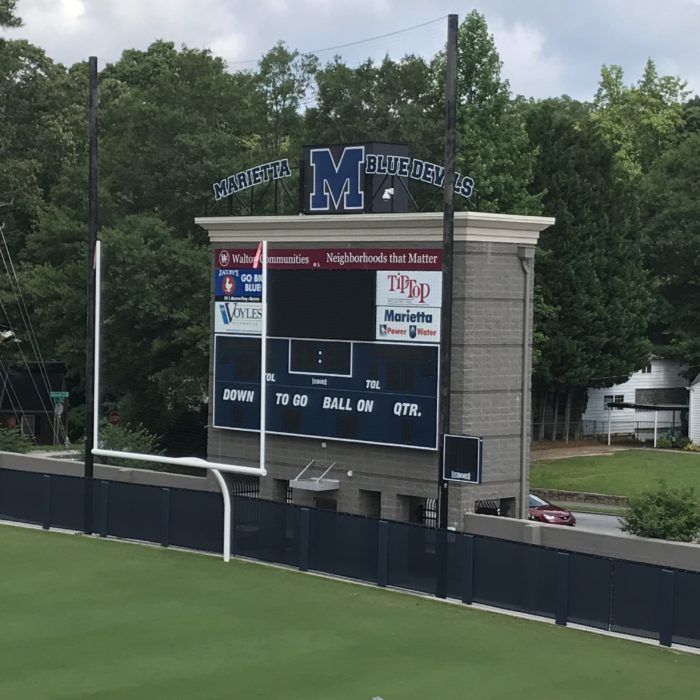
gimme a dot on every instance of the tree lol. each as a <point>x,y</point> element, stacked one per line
<point>171,123</point>
<point>392,101</point>
<point>592,298</point>
<point>41,131</point>
<point>8,18</point>
<point>663,513</point>
<point>492,141</point>
<point>283,81</point>
<point>155,322</point>
<point>640,122</point>
<point>672,236</point>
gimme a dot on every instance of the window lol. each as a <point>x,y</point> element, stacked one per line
<point>647,369</point>
<point>610,398</point>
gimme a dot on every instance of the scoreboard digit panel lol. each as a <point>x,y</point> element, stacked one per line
<point>360,391</point>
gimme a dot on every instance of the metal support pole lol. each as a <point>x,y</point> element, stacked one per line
<point>90,321</point>
<point>263,355</point>
<point>447,252</point>
<point>527,259</point>
<point>656,425</point>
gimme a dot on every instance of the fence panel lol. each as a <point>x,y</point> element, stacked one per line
<point>196,520</point>
<point>515,576</point>
<point>636,597</point>
<point>686,608</point>
<point>590,581</point>
<point>134,511</point>
<point>67,502</point>
<point>345,545</point>
<point>412,558</point>
<point>456,565</point>
<point>265,530</point>
<point>22,496</point>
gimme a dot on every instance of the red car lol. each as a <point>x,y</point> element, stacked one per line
<point>544,512</point>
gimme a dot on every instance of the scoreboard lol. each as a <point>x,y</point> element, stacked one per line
<point>360,391</point>
<point>351,348</point>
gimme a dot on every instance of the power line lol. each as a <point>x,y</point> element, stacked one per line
<point>354,43</point>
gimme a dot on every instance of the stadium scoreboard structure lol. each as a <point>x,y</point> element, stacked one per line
<point>352,349</point>
<point>353,298</point>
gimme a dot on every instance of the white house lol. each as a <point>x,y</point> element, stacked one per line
<point>661,382</point>
<point>694,411</point>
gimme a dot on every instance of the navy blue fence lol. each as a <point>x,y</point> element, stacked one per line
<point>568,587</point>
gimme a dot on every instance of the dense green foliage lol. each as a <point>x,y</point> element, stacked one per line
<point>127,438</point>
<point>114,620</point>
<point>672,233</point>
<point>8,18</point>
<point>12,440</point>
<point>663,513</point>
<point>172,121</point>
<point>592,302</point>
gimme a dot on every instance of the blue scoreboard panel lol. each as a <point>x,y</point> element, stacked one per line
<point>361,391</point>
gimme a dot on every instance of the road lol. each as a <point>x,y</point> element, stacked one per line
<point>595,522</point>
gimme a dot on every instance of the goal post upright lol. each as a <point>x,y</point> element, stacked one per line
<point>214,467</point>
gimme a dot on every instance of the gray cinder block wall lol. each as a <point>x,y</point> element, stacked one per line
<point>487,344</point>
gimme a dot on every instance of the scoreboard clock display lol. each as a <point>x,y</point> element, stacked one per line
<point>361,391</point>
<point>351,348</point>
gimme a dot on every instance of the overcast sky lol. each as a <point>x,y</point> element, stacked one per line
<point>548,47</point>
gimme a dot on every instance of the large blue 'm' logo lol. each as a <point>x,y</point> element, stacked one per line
<point>339,182</point>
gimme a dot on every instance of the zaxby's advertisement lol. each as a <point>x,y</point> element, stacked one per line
<point>232,284</point>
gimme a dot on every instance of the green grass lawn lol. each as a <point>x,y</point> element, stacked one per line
<point>620,473</point>
<point>91,619</point>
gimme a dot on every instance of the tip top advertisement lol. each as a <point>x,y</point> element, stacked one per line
<point>408,306</point>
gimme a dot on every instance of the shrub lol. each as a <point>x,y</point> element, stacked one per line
<point>672,441</point>
<point>12,440</point>
<point>663,513</point>
<point>126,438</point>
<point>692,447</point>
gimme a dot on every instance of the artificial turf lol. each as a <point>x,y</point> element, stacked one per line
<point>624,473</point>
<point>85,618</point>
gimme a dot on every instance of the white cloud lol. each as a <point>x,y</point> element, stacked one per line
<point>53,15</point>
<point>531,70</point>
<point>232,47</point>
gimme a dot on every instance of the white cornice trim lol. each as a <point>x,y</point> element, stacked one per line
<point>375,228</point>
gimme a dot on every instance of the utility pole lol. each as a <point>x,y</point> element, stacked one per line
<point>447,255</point>
<point>91,292</point>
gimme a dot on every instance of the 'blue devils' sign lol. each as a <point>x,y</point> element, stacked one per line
<point>370,178</point>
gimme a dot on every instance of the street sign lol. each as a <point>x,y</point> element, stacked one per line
<point>59,395</point>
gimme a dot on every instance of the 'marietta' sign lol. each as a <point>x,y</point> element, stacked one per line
<point>339,179</point>
<point>245,179</point>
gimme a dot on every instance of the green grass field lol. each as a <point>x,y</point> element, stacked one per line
<point>620,474</point>
<point>83,618</point>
